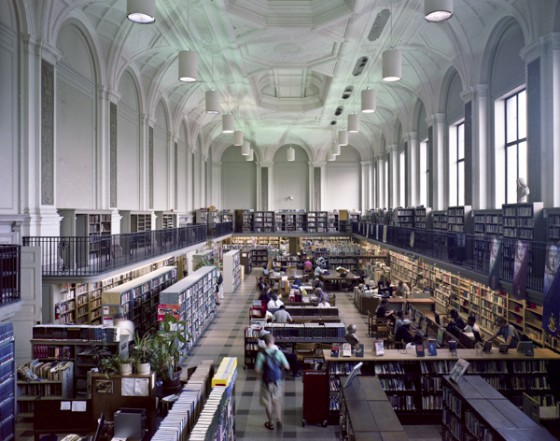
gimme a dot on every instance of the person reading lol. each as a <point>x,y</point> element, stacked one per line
<point>473,327</point>
<point>456,323</point>
<point>404,334</point>
<point>507,332</point>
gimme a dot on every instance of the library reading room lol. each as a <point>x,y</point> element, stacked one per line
<point>333,220</point>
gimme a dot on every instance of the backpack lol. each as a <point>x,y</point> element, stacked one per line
<point>271,369</point>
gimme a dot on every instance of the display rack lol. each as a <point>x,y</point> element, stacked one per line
<point>7,382</point>
<point>55,380</point>
<point>138,299</point>
<point>472,409</point>
<point>231,271</point>
<point>191,300</point>
<point>413,384</point>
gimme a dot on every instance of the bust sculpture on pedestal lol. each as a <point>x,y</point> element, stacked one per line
<point>522,191</point>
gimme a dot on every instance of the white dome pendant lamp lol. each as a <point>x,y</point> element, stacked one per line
<point>353,123</point>
<point>246,149</point>
<point>188,66</point>
<point>212,101</point>
<point>291,154</point>
<point>368,101</point>
<point>238,138</point>
<point>391,65</point>
<point>342,137</point>
<point>227,123</point>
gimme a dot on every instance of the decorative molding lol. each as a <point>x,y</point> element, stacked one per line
<point>113,122</point>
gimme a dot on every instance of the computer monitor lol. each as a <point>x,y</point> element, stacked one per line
<point>526,347</point>
<point>440,336</point>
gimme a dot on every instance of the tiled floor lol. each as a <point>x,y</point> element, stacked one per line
<point>224,338</point>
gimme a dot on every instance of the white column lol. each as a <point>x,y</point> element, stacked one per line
<point>317,196</point>
<point>413,169</point>
<point>483,188</point>
<point>381,178</point>
<point>190,178</point>
<point>145,124</point>
<point>270,190</point>
<point>439,177</point>
<point>366,186</point>
<point>394,152</point>
<point>258,186</point>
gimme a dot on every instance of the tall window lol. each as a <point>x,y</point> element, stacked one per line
<point>457,164</point>
<point>402,179</point>
<point>424,172</point>
<point>516,143</point>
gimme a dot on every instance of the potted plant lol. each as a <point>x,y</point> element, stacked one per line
<point>142,352</point>
<point>168,354</point>
<point>125,365</point>
<point>108,365</point>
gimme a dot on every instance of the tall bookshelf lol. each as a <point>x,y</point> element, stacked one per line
<point>440,226</point>
<point>487,224</point>
<point>423,218</point>
<point>226,216</point>
<point>405,217</point>
<point>553,224</point>
<point>263,221</point>
<point>459,219</point>
<point>243,221</point>
<point>192,300</point>
<point>317,221</point>
<point>231,271</point>
<point>7,382</point>
<point>138,299</point>
<point>403,268</point>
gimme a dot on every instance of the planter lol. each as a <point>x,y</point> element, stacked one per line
<point>173,384</point>
<point>125,369</point>
<point>143,368</point>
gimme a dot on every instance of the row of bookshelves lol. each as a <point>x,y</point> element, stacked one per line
<point>7,382</point>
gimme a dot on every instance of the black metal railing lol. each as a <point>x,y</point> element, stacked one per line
<point>466,250</point>
<point>87,256</point>
<point>10,273</point>
<point>219,229</point>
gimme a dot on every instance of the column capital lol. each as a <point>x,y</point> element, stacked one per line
<point>392,148</point>
<point>365,163</point>
<point>436,118</point>
<point>317,163</point>
<point>266,163</point>
<point>476,91</point>
<point>411,136</point>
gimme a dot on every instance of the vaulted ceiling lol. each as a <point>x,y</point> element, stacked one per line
<point>284,67</point>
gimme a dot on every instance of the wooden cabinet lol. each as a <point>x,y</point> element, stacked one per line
<point>192,300</point>
<point>474,410</point>
<point>138,299</point>
<point>231,271</point>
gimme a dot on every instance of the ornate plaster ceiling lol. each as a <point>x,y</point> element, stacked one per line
<point>282,66</point>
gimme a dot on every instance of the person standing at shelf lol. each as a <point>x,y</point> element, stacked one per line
<point>272,389</point>
<point>507,331</point>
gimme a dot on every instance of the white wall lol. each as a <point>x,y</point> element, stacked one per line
<point>290,179</point>
<point>161,161</point>
<point>239,180</point>
<point>343,178</point>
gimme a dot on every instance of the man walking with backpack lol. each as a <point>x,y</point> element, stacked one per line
<point>270,364</point>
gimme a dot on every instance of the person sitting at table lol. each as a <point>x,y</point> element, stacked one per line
<point>260,284</point>
<point>274,303</point>
<point>384,286</point>
<point>402,290</point>
<point>323,303</point>
<point>318,283</point>
<point>321,295</point>
<point>381,311</point>
<point>318,271</point>
<point>265,296</point>
<point>307,266</point>
<point>265,271</point>
<point>281,315</point>
<point>404,334</point>
<point>398,321</point>
<point>417,340</point>
<point>474,328</point>
<point>456,323</point>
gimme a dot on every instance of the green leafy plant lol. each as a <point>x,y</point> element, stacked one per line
<point>168,347</point>
<point>142,349</point>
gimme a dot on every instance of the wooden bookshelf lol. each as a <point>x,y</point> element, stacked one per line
<point>472,409</point>
<point>263,221</point>
<point>403,268</point>
<point>243,221</point>
<point>459,219</point>
<point>7,382</point>
<point>405,217</point>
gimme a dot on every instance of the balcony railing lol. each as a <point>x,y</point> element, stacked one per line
<point>88,256</point>
<point>10,263</point>
<point>465,250</point>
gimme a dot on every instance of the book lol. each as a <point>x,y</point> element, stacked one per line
<point>458,370</point>
<point>359,350</point>
<point>432,347</point>
<point>420,350</point>
<point>335,350</point>
<point>378,347</point>
<point>452,345</point>
<point>346,350</point>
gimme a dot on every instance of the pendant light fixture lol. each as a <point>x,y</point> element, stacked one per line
<point>368,101</point>
<point>438,10</point>
<point>391,63</point>
<point>331,156</point>
<point>246,148</point>
<point>238,138</point>
<point>336,149</point>
<point>188,66</point>
<point>212,101</point>
<point>250,156</point>
<point>342,137</point>
<point>227,123</point>
<point>291,154</point>
<point>141,11</point>
<point>353,123</point>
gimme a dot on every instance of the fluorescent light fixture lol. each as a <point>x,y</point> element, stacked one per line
<point>368,101</point>
<point>188,66</point>
<point>291,154</point>
<point>212,101</point>
<point>238,138</point>
<point>353,123</point>
<point>391,65</point>
<point>141,11</point>
<point>438,10</point>
<point>246,148</point>
<point>227,123</point>
<point>342,137</point>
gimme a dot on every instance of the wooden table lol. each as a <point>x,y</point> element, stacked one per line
<point>422,304</point>
<point>334,279</point>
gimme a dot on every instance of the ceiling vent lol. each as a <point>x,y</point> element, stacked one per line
<point>360,65</point>
<point>333,123</point>
<point>347,92</point>
<point>379,24</point>
<point>339,111</point>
